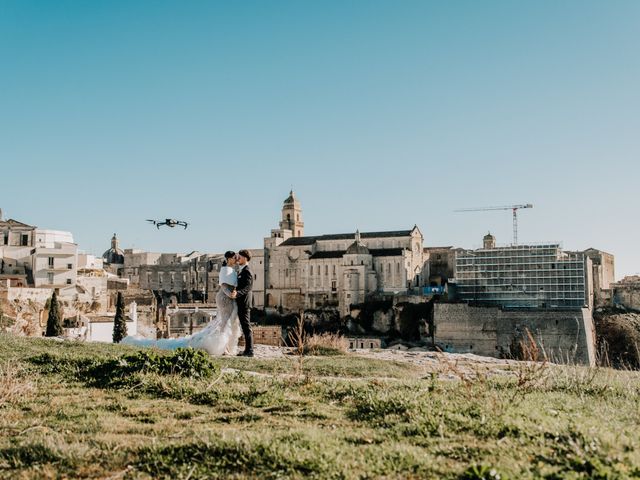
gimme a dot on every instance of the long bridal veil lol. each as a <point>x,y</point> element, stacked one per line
<point>219,337</point>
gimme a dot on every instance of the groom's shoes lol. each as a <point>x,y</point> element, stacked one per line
<point>246,354</point>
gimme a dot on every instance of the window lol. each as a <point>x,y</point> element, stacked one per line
<point>326,269</point>
<point>68,281</point>
<point>50,262</point>
<point>311,270</point>
<point>25,240</point>
<point>334,269</point>
<point>69,266</point>
<point>50,278</point>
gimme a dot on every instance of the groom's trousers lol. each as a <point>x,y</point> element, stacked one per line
<point>244,315</point>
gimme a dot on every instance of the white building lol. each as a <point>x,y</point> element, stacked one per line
<point>99,328</point>
<point>54,262</point>
<point>37,257</point>
<point>341,269</point>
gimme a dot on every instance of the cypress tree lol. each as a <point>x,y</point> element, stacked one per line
<point>119,323</point>
<point>54,321</point>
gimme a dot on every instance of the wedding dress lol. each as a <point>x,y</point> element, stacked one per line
<point>219,337</point>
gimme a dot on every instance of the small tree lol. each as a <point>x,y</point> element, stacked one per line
<point>119,323</point>
<point>54,321</point>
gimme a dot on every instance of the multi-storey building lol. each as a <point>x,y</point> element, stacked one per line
<point>541,276</point>
<point>341,269</point>
<point>193,277</point>
<point>36,257</point>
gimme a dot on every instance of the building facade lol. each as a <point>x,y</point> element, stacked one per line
<point>518,276</point>
<point>338,270</point>
<point>35,257</point>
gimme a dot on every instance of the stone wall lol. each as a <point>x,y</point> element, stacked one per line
<point>626,293</point>
<point>565,336</point>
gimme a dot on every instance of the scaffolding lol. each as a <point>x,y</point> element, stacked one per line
<point>523,276</point>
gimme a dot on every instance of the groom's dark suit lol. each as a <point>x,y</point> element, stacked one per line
<point>245,284</point>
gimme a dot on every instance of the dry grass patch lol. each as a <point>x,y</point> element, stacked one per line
<point>13,384</point>
<point>326,344</point>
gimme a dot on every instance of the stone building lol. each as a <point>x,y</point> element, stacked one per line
<point>603,273</point>
<point>338,270</point>
<point>441,264</point>
<point>626,292</point>
<point>35,257</point>
<point>193,277</point>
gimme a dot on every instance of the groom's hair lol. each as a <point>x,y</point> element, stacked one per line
<point>245,254</point>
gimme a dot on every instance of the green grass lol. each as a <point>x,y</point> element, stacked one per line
<point>345,417</point>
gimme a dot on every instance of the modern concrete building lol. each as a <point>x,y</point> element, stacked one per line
<point>518,276</point>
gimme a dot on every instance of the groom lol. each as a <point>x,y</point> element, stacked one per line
<point>243,298</point>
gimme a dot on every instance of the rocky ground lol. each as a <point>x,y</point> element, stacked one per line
<point>446,365</point>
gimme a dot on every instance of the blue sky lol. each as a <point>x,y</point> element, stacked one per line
<point>380,114</point>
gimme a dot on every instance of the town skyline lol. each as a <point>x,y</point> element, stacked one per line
<point>379,116</point>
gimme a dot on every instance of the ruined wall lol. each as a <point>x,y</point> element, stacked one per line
<point>566,336</point>
<point>627,296</point>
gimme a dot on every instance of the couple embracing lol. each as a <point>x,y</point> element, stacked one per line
<point>221,335</point>
<point>234,300</point>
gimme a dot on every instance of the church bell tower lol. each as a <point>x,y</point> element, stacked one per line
<point>292,216</point>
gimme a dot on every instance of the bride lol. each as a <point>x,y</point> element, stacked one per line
<point>220,336</point>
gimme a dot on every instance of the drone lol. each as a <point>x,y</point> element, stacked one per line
<point>169,222</point>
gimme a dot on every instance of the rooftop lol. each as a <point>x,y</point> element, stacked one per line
<point>297,241</point>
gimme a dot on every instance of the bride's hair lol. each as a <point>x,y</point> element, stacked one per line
<point>227,256</point>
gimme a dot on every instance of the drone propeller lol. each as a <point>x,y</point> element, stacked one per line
<point>152,221</point>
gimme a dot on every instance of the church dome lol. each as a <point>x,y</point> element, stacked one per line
<point>357,247</point>
<point>114,254</point>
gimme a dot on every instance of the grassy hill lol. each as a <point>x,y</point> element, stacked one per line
<point>71,409</point>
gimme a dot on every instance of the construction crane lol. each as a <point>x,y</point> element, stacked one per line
<point>513,208</point>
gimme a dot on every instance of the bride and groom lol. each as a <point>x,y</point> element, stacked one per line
<point>221,335</point>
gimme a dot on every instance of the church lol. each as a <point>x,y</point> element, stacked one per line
<point>338,270</point>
